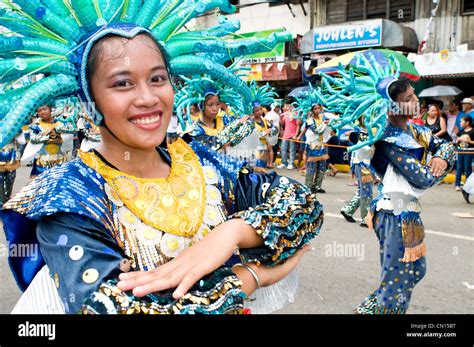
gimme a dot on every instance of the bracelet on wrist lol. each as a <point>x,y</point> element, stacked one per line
<point>252,272</point>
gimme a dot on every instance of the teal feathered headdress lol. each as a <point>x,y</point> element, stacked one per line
<point>194,91</point>
<point>361,90</point>
<point>306,100</point>
<point>54,37</point>
<point>261,96</point>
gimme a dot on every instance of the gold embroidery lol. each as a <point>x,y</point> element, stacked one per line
<point>262,128</point>
<point>174,204</point>
<point>46,126</point>
<point>423,138</point>
<point>214,131</point>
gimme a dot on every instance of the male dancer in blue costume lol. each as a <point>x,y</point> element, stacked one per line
<point>401,155</point>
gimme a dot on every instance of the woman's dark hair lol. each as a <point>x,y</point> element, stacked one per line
<point>210,96</point>
<point>468,120</point>
<point>48,105</point>
<point>97,50</point>
<point>398,87</point>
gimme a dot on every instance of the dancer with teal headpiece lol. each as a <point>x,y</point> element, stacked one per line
<point>56,36</point>
<point>384,100</point>
<point>361,168</point>
<point>195,91</point>
<point>246,124</point>
<point>208,94</point>
<point>310,111</point>
<point>115,226</point>
<point>262,96</point>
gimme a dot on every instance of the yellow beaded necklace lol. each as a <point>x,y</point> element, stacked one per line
<point>174,204</point>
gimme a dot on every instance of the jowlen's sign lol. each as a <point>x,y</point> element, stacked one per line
<point>337,37</point>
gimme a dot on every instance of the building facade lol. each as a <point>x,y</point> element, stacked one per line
<point>448,54</point>
<point>284,71</point>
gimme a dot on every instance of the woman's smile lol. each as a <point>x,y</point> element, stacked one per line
<point>149,121</point>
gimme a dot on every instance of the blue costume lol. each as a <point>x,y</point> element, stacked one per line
<point>316,153</point>
<point>89,233</point>
<point>207,135</point>
<point>93,221</point>
<point>395,213</point>
<point>400,158</point>
<point>362,169</point>
<point>50,154</point>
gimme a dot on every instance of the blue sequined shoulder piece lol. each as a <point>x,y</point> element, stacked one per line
<point>405,138</point>
<point>35,127</point>
<point>225,165</point>
<point>72,187</point>
<point>197,130</point>
<point>421,130</point>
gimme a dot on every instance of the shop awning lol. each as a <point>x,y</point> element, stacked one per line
<point>357,35</point>
<point>445,64</point>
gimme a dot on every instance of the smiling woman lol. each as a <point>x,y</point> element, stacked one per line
<point>133,92</point>
<point>135,228</point>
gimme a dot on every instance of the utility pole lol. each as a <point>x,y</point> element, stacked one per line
<point>312,13</point>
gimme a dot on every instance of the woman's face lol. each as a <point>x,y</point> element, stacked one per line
<point>258,111</point>
<point>316,110</point>
<point>44,112</point>
<point>211,106</point>
<point>132,90</point>
<point>433,111</point>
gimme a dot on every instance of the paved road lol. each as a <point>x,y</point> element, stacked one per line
<point>335,282</point>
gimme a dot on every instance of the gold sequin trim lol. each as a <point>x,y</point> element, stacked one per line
<point>174,204</point>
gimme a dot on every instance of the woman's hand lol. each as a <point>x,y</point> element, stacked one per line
<point>193,263</point>
<point>268,275</point>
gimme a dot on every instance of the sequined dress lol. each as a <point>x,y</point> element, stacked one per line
<point>207,135</point>
<point>9,162</point>
<point>102,222</point>
<point>316,152</point>
<point>50,154</point>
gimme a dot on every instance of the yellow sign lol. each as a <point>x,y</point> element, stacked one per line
<point>444,55</point>
<point>255,73</point>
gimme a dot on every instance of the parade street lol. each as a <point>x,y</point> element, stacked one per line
<point>343,268</point>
